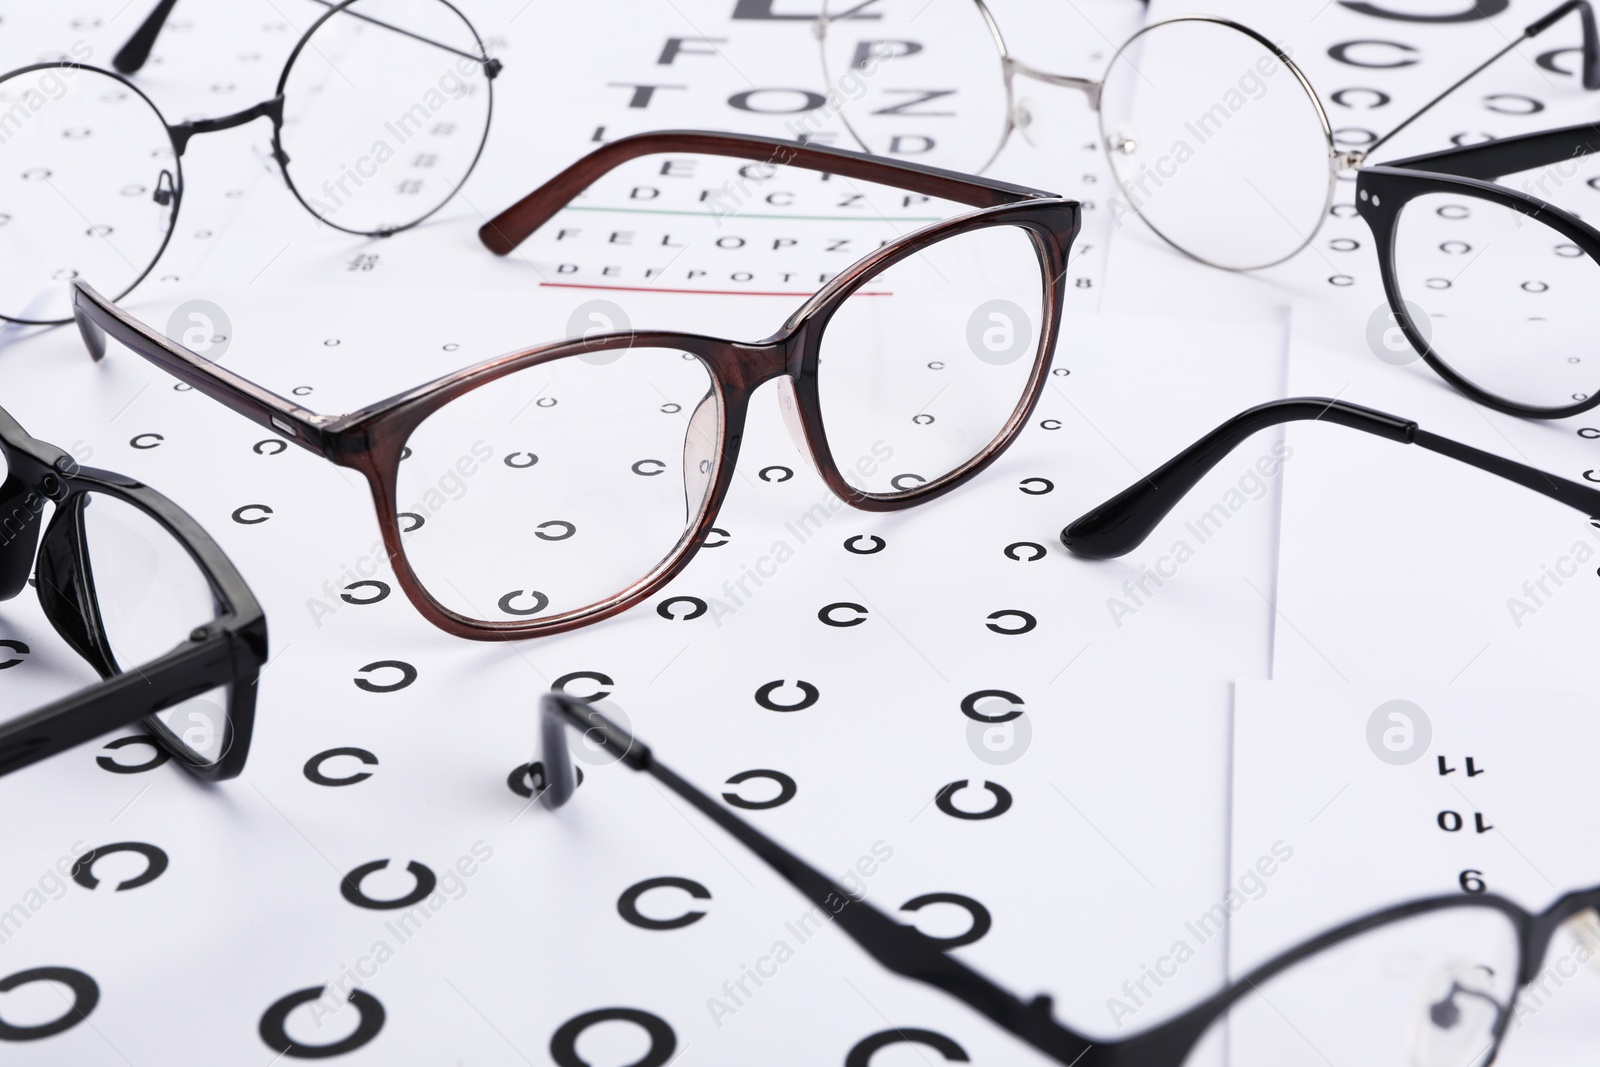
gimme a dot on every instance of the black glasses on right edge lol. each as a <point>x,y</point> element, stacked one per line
<point>1498,289</point>
<point>1431,982</point>
<point>1121,524</point>
<point>91,172</point>
<point>144,595</point>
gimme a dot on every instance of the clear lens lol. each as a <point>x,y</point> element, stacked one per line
<point>558,487</point>
<point>152,595</point>
<point>83,159</point>
<point>1508,303</point>
<point>1429,991</point>
<point>385,111</point>
<point>923,366</point>
<point>1215,143</point>
<point>918,79</point>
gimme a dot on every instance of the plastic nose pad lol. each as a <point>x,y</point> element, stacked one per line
<point>20,512</point>
<point>66,587</point>
<point>1456,1017</point>
<point>789,404</point>
<point>699,456</point>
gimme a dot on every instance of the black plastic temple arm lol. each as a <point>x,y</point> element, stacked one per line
<point>1122,523</point>
<point>1509,155</point>
<point>900,948</point>
<point>1591,61</point>
<point>205,663</point>
<point>131,56</point>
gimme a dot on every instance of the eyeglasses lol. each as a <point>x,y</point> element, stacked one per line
<point>1495,288</point>
<point>1216,138</point>
<point>142,593</point>
<point>377,119</point>
<point>557,486</point>
<point>1433,981</point>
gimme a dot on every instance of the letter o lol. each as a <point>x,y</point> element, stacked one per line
<point>786,790</point>
<point>108,764</point>
<point>155,859</point>
<point>809,695</point>
<point>1340,53</point>
<point>663,1042</point>
<point>697,608</point>
<point>744,101</point>
<point>273,1022</point>
<point>1002,802</point>
<point>85,995</point>
<point>408,674</point>
<point>982,921</point>
<point>350,886</point>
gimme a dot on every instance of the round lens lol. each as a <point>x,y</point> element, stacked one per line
<point>1433,990</point>
<point>386,108</point>
<point>151,596</point>
<point>923,366</point>
<point>88,188</point>
<point>560,486</point>
<point>1505,301</point>
<point>917,79</point>
<point>1216,143</point>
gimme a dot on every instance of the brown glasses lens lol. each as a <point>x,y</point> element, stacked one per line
<point>923,366</point>
<point>561,485</point>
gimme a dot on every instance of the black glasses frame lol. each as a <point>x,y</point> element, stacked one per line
<point>228,651</point>
<point>1382,192</point>
<point>908,952</point>
<point>170,185</point>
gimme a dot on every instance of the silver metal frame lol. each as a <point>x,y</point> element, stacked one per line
<point>1335,159</point>
<point>1338,161</point>
<point>1012,67</point>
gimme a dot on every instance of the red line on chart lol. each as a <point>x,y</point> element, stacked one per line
<point>698,292</point>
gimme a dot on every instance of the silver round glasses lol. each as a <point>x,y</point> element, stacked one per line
<point>1216,138</point>
<point>1185,106</point>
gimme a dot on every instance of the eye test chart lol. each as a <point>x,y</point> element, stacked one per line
<point>1057,766</point>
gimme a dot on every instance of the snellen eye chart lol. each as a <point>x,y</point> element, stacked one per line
<point>1120,763</point>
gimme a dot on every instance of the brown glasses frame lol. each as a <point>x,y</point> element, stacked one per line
<point>373,439</point>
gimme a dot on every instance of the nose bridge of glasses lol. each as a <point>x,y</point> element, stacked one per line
<point>271,109</point>
<point>1089,87</point>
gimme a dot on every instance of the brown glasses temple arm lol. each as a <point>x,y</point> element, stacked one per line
<point>97,317</point>
<point>516,223</point>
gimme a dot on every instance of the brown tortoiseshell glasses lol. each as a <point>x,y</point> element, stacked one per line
<point>600,462</point>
